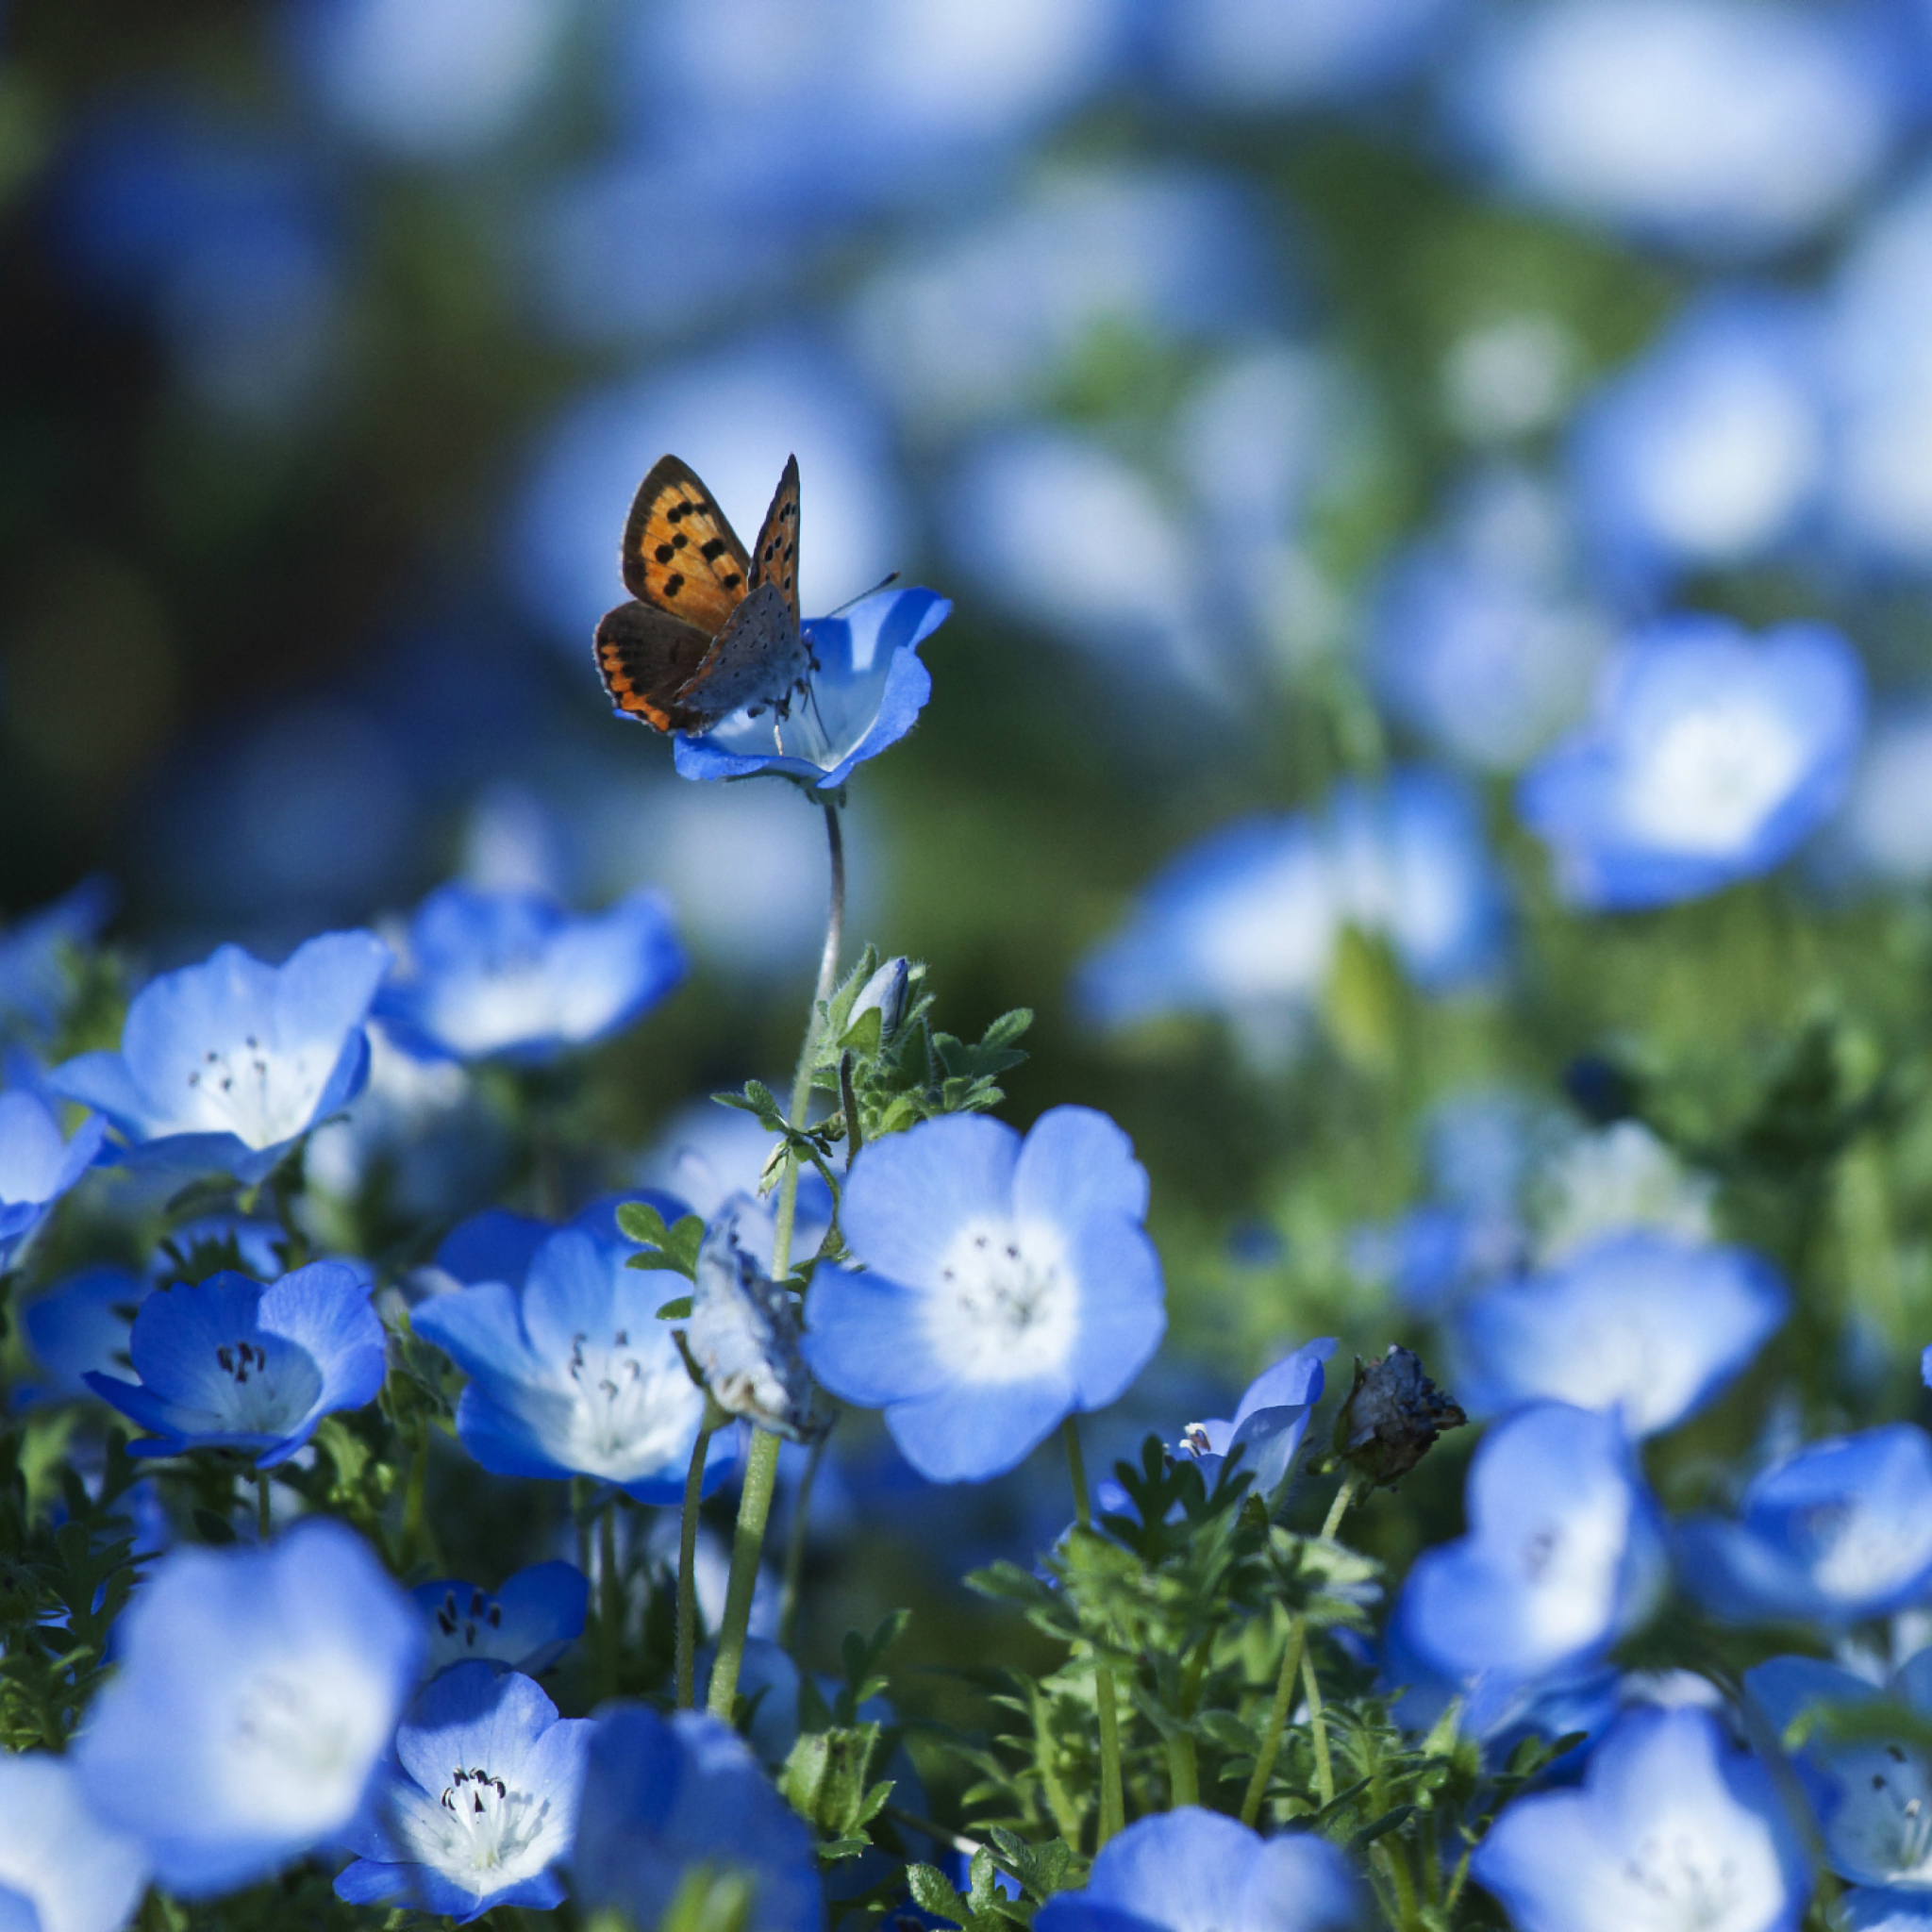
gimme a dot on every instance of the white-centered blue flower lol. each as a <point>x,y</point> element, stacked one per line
<point>1268,1424</point>
<point>226,1064</point>
<point>61,1869</point>
<point>1710,755</point>
<point>1563,1554</point>
<point>257,1694</point>
<point>672,1803</point>
<point>82,1325</point>
<point>1872,1795</point>
<point>1674,1830</point>
<point>1002,1284</point>
<point>514,975</point>
<point>526,1625</point>
<point>37,1166</point>
<point>1839,1531</point>
<point>1636,1323</point>
<point>481,1804</point>
<point>1195,1871</point>
<point>227,1363</point>
<point>572,1373</point>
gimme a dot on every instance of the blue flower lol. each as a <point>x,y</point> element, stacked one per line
<point>1839,1531</point>
<point>83,1324</point>
<point>61,1869</point>
<point>1563,1555</point>
<point>257,1694</point>
<point>37,1167</point>
<point>1709,759</point>
<point>227,1363</point>
<point>1710,451</point>
<point>481,1804</point>
<point>672,1804</point>
<point>1269,1421</point>
<point>526,1624</point>
<point>1005,1284</point>
<point>866,694</point>
<point>512,975</point>
<point>226,1064</point>
<point>1195,1871</point>
<point>1674,1830</point>
<point>572,1373</point>
<point>1252,56</point>
<point>1635,1323</point>
<point>33,969</point>
<point>1874,1795</point>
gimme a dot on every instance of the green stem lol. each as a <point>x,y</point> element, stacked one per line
<point>414,1521</point>
<point>794,1539</point>
<point>1276,1724</point>
<point>1318,1730</point>
<point>1339,1508</point>
<point>1113,1804</point>
<point>610,1597</point>
<point>1183,1765</point>
<point>687,1558</point>
<point>261,1508</point>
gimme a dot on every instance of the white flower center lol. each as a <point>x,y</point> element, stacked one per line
<point>483,1824</point>
<point>1854,1551</point>
<point>1679,1882</point>
<point>1570,1565</point>
<point>302,1736</point>
<point>1711,777</point>
<point>1880,1831</point>
<point>629,1410</point>
<point>259,1385</point>
<point>1006,1305</point>
<point>261,1097</point>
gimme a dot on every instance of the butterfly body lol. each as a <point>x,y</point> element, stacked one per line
<point>711,629</point>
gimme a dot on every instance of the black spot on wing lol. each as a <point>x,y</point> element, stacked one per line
<point>674,583</point>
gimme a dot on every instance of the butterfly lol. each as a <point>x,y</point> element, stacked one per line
<point>709,630</point>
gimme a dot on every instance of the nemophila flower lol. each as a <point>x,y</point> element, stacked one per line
<point>1873,1794</point>
<point>1872,1909</point>
<point>1711,450</point>
<point>677,1807</point>
<point>514,975</point>
<point>526,1625</point>
<point>82,1325</point>
<point>1269,1421</point>
<point>1674,1829</point>
<point>37,1166</point>
<point>227,1363</point>
<point>866,694</point>
<point>1839,1531</point>
<point>1195,1871</point>
<point>1637,1324</point>
<point>1564,1553</point>
<point>33,966</point>
<point>572,1373</point>
<point>257,1694</point>
<point>61,1869</point>
<point>480,1806</point>
<point>1006,1284</point>
<point>224,1065</point>
<point>1710,758</point>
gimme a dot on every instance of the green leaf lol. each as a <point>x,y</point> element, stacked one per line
<point>677,1311</point>
<point>642,1224</point>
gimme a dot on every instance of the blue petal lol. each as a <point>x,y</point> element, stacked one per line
<point>1077,1163</point>
<point>909,1194</point>
<point>1122,1311</point>
<point>480,1329</point>
<point>326,1308</point>
<point>571,1291</point>
<point>505,1442</point>
<point>494,1245</point>
<point>971,1431</point>
<point>865,1339</point>
<point>472,1714</point>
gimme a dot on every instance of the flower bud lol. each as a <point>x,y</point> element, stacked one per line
<point>1391,1417</point>
<point>884,993</point>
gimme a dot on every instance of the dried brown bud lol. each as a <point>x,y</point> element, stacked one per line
<point>1391,1417</point>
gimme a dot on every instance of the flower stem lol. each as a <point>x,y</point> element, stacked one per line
<point>1318,1730</point>
<point>1113,1807</point>
<point>610,1597</point>
<point>687,1558</point>
<point>1339,1508</point>
<point>1183,1766</point>
<point>794,1540</point>
<point>761,1465</point>
<point>262,1507</point>
<point>1277,1723</point>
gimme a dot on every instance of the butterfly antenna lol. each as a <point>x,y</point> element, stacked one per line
<point>884,583</point>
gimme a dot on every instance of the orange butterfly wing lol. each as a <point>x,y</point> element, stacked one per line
<point>679,552</point>
<point>774,556</point>
<point>647,658</point>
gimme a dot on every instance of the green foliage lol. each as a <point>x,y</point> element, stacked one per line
<point>674,1247</point>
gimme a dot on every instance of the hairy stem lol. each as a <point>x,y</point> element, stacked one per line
<point>1277,1723</point>
<point>794,1540</point>
<point>687,1558</point>
<point>1318,1729</point>
<point>609,1598</point>
<point>761,1465</point>
<point>1113,1804</point>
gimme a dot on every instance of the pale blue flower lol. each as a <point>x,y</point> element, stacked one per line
<point>61,1869</point>
<point>226,1064</point>
<point>1256,56</point>
<point>82,1324</point>
<point>257,1694</point>
<point>33,973</point>
<point>512,975</point>
<point>1268,1424</point>
<point>526,1625</point>
<point>1710,757</point>
<point>227,1363</point>
<point>1001,1285</point>
<point>1674,1829</point>
<point>37,1167</point>
<point>481,1804</point>
<point>1839,1531</point>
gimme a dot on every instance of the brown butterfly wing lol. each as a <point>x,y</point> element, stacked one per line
<point>774,556</point>
<point>679,552</point>
<point>647,658</point>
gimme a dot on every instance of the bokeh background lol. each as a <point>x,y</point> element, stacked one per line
<point>1283,391</point>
